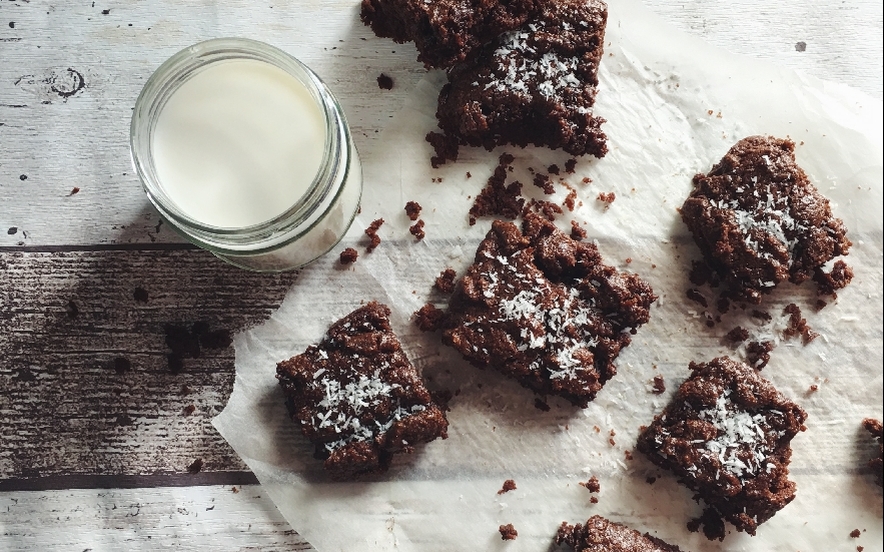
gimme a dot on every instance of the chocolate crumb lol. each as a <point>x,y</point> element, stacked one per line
<point>508,485</point>
<point>855,534</point>
<point>594,499</point>
<point>498,198</point>
<point>372,233</point>
<point>140,294</point>
<point>813,388</point>
<point>413,210</point>
<point>12,230</point>
<point>577,233</point>
<point>385,82</point>
<point>508,532</point>
<point>105,12</point>
<point>74,190</point>
<point>23,177</point>
<point>541,405</point>
<point>650,480</point>
<point>758,353</point>
<point>553,169</point>
<point>196,466</point>
<point>72,309</point>
<point>547,209</point>
<point>659,385</point>
<point>122,364</point>
<point>429,318</point>
<point>234,490</point>
<point>417,230</point>
<point>570,165</point>
<point>800,46</point>
<point>607,198</point>
<point>762,315</point>
<point>798,325</point>
<point>592,485</point>
<point>737,335</point>
<point>349,256</point>
<point>469,174</point>
<point>445,281</point>
<point>829,283</point>
<point>446,148</point>
<point>571,199</point>
<point>189,409</point>
<point>543,182</point>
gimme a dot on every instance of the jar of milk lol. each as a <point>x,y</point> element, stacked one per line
<point>246,153</point>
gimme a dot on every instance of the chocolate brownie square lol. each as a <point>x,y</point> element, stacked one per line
<point>759,221</point>
<point>726,435</point>
<point>357,397</point>
<point>536,85</point>
<point>542,308</point>
<point>445,31</point>
<point>602,535</point>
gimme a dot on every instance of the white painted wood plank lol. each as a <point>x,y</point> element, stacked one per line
<point>59,143</point>
<point>189,518</point>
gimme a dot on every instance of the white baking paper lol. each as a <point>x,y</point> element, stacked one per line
<point>674,106</point>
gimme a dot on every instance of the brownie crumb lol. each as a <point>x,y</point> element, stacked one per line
<point>594,500</point>
<point>75,190</point>
<point>570,165</point>
<point>764,316</point>
<point>855,534</point>
<point>737,335</point>
<point>592,485</point>
<point>72,309</point>
<point>798,325</point>
<point>541,405</point>
<point>372,233</point>
<point>413,210</point>
<point>508,485</point>
<point>122,365</point>
<point>874,427</point>
<point>417,230</point>
<point>711,524</point>
<point>234,490</point>
<point>697,297</point>
<point>650,480</point>
<point>607,198</point>
<point>813,388</point>
<point>553,169</point>
<point>838,278</point>
<point>547,209</point>
<point>543,182</point>
<point>349,256</point>
<point>758,353</point>
<point>570,199</point>
<point>659,385</point>
<point>189,409</point>
<point>498,198</point>
<point>196,466</point>
<point>385,82</point>
<point>508,532</point>
<point>445,281</point>
<point>859,549</point>
<point>446,148</point>
<point>577,233</point>
<point>140,294</point>
<point>12,230</point>
<point>429,318</point>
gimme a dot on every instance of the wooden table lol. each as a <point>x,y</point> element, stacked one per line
<point>106,442</point>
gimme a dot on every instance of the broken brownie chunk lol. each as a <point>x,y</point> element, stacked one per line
<point>759,221</point>
<point>602,535</point>
<point>445,31</point>
<point>542,308</point>
<point>535,85</point>
<point>727,436</point>
<point>357,397</point>
<point>874,427</point>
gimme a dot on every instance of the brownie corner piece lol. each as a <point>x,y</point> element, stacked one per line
<point>726,435</point>
<point>542,308</point>
<point>357,397</point>
<point>759,221</point>
<point>534,85</point>
<point>446,31</point>
<point>601,534</point>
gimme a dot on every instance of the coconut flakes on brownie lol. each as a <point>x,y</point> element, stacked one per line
<point>357,397</point>
<point>535,85</point>
<point>726,435</point>
<point>542,308</point>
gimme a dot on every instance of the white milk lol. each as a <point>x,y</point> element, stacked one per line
<point>238,143</point>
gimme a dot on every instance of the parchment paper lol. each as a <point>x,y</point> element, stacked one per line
<point>674,106</point>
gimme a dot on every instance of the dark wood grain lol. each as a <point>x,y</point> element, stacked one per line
<point>86,383</point>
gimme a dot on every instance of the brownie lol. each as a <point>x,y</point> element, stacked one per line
<point>544,309</point>
<point>445,31</point>
<point>602,535</point>
<point>874,427</point>
<point>536,85</point>
<point>726,435</point>
<point>357,397</point>
<point>759,221</point>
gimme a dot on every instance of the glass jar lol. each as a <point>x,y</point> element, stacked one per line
<point>308,225</point>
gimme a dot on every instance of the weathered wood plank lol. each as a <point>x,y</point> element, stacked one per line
<point>204,518</point>
<point>87,383</point>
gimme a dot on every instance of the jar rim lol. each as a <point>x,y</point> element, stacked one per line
<point>261,236</point>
